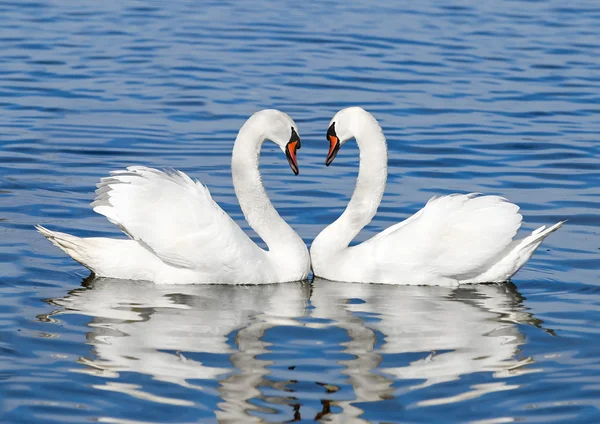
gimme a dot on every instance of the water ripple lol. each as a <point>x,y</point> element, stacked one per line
<point>486,97</point>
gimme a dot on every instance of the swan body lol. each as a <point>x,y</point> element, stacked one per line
<point>179,234</point>
<point>454,239</point>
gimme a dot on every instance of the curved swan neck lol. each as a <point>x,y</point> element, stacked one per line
<point>370,184</point>
<point>250,191</point>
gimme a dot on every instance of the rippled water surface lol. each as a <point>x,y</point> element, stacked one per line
<point>496,97</point>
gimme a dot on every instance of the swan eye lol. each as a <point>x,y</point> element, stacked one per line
<point>331,131</point>
<point>295,137</point>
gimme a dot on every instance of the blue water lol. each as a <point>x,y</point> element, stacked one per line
<point>496,97</point>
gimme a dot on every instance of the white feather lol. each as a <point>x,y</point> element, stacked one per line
<point>454,239</point>
<point>180,235</point>
<point>175,218</point>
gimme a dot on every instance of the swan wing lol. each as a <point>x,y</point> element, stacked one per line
<point>175,218</point>
<point>458,235</point>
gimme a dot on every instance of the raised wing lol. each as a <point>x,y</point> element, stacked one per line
<point>459,235</point>
<point>175,218</point>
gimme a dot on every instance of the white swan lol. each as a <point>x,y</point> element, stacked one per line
<point>454,239</point>
<point>179,235</point>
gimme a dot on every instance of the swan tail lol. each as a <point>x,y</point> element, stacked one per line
<point>76,247</point>
<point>529,244</point>
<point>518,253</point>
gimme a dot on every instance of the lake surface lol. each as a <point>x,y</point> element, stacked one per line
<point>495,97</point>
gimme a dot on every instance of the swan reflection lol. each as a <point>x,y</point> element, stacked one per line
<point>399,340</point>
<point>159,331</point>
<point>424,336</point>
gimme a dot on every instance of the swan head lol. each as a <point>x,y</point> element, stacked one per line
<point>279,128</point>
<point>346,124</point>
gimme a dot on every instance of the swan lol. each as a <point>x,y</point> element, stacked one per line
<point>455,239</point>
<point>179,235</point>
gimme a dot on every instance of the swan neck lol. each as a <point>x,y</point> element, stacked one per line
<point>256,206</point>
<point>369,188</point>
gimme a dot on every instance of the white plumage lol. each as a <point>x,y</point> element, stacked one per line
<point>178,234</point>
<point>175,218</point>
<point>454,239</point>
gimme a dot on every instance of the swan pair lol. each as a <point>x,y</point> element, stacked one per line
<point>179,235</point>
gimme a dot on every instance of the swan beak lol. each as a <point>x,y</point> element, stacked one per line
<point>334,147</point>
<point>290,151</point>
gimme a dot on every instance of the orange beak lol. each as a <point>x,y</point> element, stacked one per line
<point>290,152</point>
<point>334,147</point>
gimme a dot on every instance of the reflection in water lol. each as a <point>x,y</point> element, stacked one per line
<point>431,335</point>
<point>149,329</point>
<point>401,339</point>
